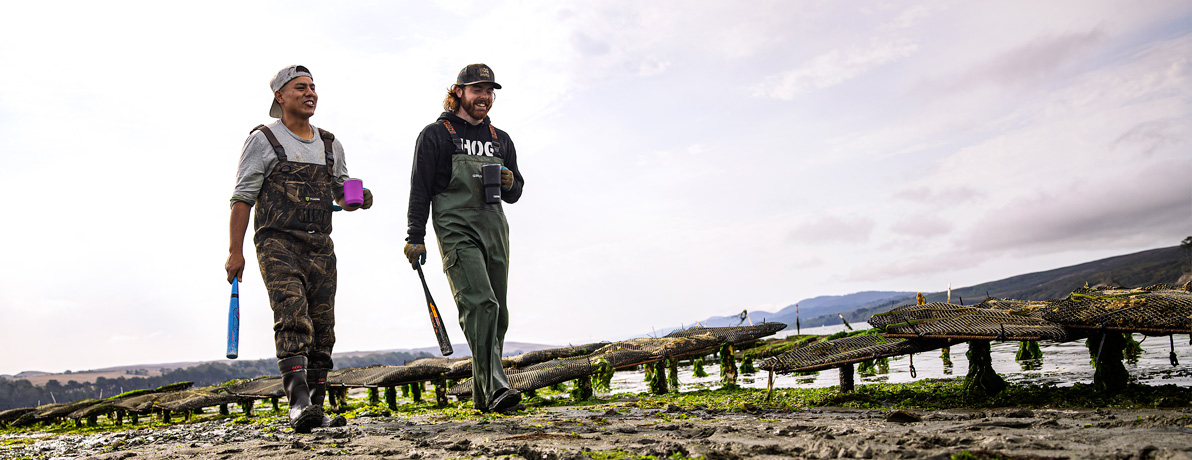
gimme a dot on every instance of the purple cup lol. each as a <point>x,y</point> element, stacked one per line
<point>353,192</point>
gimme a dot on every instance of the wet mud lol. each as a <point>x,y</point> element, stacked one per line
<point>622,430</point>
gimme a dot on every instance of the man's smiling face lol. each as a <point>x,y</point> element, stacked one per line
<point>298,97</point>
<point>476,100</point>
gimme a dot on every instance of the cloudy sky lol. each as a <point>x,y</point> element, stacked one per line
<point>683,159</point>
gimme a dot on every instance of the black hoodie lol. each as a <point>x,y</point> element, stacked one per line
<point>432,165</point>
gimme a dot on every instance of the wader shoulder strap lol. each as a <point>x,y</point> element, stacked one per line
<point>459,143</point>
<point>277,148</point>
<point>328,138</point>
<point>496,143</point>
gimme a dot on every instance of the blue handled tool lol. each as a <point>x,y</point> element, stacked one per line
<point>234,321</point>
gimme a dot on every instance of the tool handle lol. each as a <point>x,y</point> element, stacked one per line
<point>436,320</point>
<point>234,321</point>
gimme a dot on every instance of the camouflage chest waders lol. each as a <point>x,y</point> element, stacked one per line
<point>296,255</point>
<point>474,242</point>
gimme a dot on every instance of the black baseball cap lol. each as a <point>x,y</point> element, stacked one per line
<point>476,73</point>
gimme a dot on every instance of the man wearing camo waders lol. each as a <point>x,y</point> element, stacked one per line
<point>292,172</point>
<point>451,158</point>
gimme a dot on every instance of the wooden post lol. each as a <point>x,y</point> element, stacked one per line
<point>223,409</point>
<point>441,391</point>
<point>672,375</point>
<point>728,366</point>
<point>274,401</point>
<point>846,378</point>
<point>374,397</point>
<point>1110,374</point>
<point>770,386</point>
<point>338,396</point>
<point>416,391</point>
<point>583,388</point>
<point>981,378</point>
<point>658,378</point>
<point>391,397</point>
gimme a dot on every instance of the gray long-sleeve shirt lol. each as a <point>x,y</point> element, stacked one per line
<point>257,159</point>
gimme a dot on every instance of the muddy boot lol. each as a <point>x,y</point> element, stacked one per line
<point>303,415</point>
<point>505,401</point>
<point>316,380</point>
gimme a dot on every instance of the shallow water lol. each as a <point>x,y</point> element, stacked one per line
<point>1063,364</point>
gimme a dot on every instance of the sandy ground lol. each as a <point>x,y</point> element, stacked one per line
<point>624,431</point>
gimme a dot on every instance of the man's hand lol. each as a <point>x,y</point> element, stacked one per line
<point>237,224</point>
<point>416,253</point>
<point>235,266</point>
<point>367,199</point>
<point>506,179</point>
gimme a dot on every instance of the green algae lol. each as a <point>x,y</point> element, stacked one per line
<point>925,394</point>
<point>614,454</point>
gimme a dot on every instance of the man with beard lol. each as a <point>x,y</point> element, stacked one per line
<point>473,235</point>
<point>292,172</point>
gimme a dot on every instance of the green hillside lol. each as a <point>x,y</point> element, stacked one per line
<point>1156,266</point>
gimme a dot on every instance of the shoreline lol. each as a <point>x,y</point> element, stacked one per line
<point>719,424</point>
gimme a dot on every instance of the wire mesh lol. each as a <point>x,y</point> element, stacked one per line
<point>388,376</point>
<point>260,387</point>
<point>626,358</point>
<point>463,368</point>
<point>1001,319</point>
<point>52,411</point>
<point>140,404</point>
<point>196,398</point>
<point>537,376</point>
<point>663,347</point>
<point>100,408</point>
<point>847,350</point>
<point>108,405</point>
<point>525,360</point>
<point>14,413</point>
<point>1153,310</point>
<point>733,334</point>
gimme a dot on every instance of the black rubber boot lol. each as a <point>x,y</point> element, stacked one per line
<point>505,401</point>
<point>316,380</point>
<point>303,415</point>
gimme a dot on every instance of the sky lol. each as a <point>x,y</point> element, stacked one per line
<point>683,159</point>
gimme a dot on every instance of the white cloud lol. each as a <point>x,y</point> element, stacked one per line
<point>833,229</point>
<point>833,68</point>
<point>659,188</point>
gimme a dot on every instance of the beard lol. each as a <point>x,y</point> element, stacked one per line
<point>477,113</point>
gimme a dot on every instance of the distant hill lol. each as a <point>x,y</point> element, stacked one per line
<point>40,378</point>
<point>1156,266</point>
<point>1140,269</point>
<point>816,311</point>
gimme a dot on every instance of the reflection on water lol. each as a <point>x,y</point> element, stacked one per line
<point>1062,364</point>
<point>1030,365</point>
